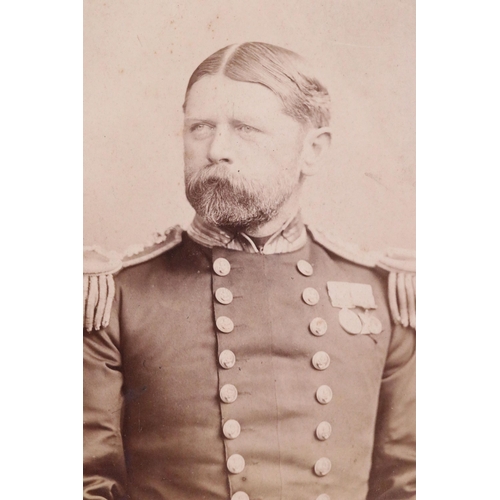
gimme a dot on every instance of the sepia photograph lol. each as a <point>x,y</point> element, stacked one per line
<point>249,285</point>
<point>242,179</point>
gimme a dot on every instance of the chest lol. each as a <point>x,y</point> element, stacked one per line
<point>253,339</point>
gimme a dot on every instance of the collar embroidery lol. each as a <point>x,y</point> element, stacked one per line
<point>289,238</point>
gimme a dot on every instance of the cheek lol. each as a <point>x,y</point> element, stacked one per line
<point>193,153</point>
<point>282,155</point>
<point>254,161</point>
<point>268,164</point>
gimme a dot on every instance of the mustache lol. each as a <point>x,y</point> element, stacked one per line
<point>216,170</point>
<point>221,174</point>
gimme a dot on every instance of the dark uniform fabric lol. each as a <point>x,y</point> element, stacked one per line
<point>153,411</point>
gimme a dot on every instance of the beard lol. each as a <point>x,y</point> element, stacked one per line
<point>228,200</point>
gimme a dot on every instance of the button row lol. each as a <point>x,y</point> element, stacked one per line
<point>320,361</point>
<point>228,392</point>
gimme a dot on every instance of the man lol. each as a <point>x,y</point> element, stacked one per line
<point>249,357</point>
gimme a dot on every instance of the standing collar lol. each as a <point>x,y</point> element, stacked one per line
<point>289,238</point>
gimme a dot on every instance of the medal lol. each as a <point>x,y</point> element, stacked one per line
<point>348,296</point>
<point>350,321</point>
<point>371,324</point>
<point>375,325</point>
<point>365,320</point>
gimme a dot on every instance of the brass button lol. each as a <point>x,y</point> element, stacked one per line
<point>223,296</point>
<point>231,429</point>
<point>224,324</point>
<point>228,393</point>
<point>321,360</point>
<point>240,495</point>
<point>221,266</point>
<point>235,464</point>
<point>310,296</point>
<point>318,327</point>
<point>323,431</point>
<point>322,467</point>
<point>304,268</point>
<point>324,394</point>
<point>227,359</point>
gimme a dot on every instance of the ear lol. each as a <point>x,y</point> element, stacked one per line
<point>316,146</point>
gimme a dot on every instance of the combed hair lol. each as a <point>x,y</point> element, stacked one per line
<point>280,70</point>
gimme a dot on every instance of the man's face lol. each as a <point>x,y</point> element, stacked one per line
<point>242,154</point>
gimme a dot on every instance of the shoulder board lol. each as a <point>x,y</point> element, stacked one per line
<point>398,262</point>
<point>348,251</point>
<point>99,266</point>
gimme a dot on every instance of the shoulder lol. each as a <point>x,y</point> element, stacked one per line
<point>398,265</point>
<point>100,267</point>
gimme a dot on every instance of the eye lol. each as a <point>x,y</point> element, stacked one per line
<point>246,129</point>
<point>201,130</point>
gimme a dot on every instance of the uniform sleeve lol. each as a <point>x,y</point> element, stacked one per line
<point>104,464</point>
<point>393,464</point>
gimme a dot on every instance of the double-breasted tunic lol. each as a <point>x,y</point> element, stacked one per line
<point>230,375</point>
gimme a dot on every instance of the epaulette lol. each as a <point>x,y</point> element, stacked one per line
<point>99,266</point>
<point>399,263</point>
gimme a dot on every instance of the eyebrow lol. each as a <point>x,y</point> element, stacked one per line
<point>245,122</point>
<point>199,120</point>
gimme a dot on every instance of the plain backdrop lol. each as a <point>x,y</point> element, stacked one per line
<point>138,57</point>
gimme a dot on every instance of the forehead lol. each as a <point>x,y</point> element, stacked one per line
<point>217,96</point>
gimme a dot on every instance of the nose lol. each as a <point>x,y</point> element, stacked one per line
<point>220,147</point>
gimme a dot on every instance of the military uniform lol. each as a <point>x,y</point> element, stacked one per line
<point>233,371</point>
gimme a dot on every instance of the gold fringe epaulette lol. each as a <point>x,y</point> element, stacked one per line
<point>99,266</point>
<point>399,263</point>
